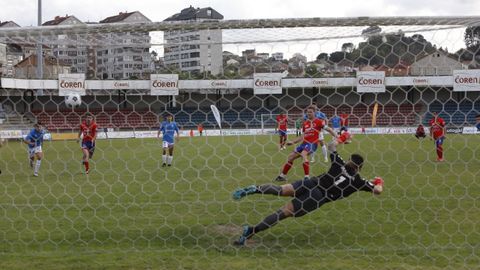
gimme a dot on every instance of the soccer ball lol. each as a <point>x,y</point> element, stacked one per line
<point>73,100</point>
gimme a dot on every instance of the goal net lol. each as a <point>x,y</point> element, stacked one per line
<point>139,208</point>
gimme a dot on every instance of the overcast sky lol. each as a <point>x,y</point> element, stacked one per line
<point>24,12</point>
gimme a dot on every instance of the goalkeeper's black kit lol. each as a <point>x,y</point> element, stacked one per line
<point>338,183</point>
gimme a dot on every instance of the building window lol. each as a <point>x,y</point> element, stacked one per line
<point>209,12</point>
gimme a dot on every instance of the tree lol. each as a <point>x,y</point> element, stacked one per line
<point>154,55</point>
<point>322,57</point>
<point>371,30</point>
<point>347,47</point>
<point>418,38</point>
<point>337,56</point>
<point>472,36</point>
<point>311,70</point>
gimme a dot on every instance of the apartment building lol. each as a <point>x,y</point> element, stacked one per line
<point>195,51</point>
<point>70,49</point>
<point>124,55</point>
<point>9,56</point>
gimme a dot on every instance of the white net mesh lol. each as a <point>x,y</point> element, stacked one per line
<point>130,212</point>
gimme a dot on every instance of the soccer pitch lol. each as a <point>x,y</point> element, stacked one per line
<point>130,213</point>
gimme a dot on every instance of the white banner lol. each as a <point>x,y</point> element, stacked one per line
<point>215,84</point>
<point>317,82</point>
<point>470,130</point>
<point>466,80</point>
<point>164,84</point>
<point>112,85</point>
<point>71,83</point>
<point>370,81</point>
<point>445,81</point>
<point>29,84</point>
<point>267,83</point>
<point>10,134</point>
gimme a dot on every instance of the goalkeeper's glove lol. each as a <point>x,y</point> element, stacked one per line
<point>377,181</point>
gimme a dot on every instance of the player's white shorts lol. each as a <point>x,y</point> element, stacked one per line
<point>167,144</point>
<point>34,150</point>
<point>320,136</point>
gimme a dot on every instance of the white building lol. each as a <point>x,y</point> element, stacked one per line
<point>264,56</point>
<point>438,63</point>
<point>125,55</point>
<point>68,48</point>
<point>278,56</point>
<point>10,54</point>
<point>194,51</point>
<point>3,58</point>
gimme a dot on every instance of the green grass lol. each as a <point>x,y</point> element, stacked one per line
<point>130,213</point>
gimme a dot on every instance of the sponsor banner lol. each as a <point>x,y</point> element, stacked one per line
<point>470,130</point>
<point>146,134</point>
<point>120,85</point>
<point>71,83</point>
<point>318,82</point>
<point>29,84</point>
<point>64,136</point>
<point>267,83</point>
<point>164,84</point>
<point>46,136</point>
<point>466,80</point>
<point>10,134</point>
<point>419,81</point>
<point>454,130</point>
<point>215,84</point>
<point>370,81</point>
<point>116,135</point>
<point>463,83</point>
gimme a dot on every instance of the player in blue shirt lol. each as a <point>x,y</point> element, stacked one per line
<point>336,123</point>
<point>322,116</point>
<point>168,129</point>
<point>34,140</point>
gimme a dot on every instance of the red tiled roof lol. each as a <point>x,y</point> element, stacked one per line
<point>117,18</point>
<point>56,21</point>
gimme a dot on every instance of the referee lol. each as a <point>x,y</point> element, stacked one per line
<point>341,180</point>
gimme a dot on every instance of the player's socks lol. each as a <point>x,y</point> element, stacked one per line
<point>440,152</point>
<point>164,159</point>
<point>269,189</point>
<point>169,160</point>
<point>87,166</point>
<point>286,168</point>
<point>306,168</point>
<point>37,167</point>
<point>268,222</point>
<point>325,153</point>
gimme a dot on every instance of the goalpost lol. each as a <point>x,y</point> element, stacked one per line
<point>382,74</point>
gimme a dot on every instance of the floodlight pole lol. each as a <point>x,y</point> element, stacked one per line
<point>39,48</point>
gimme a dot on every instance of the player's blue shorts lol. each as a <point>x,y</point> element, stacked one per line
<point>88,145</point>
<point>309,147</point>
<point>439,141</point>
<point>282,132</point>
